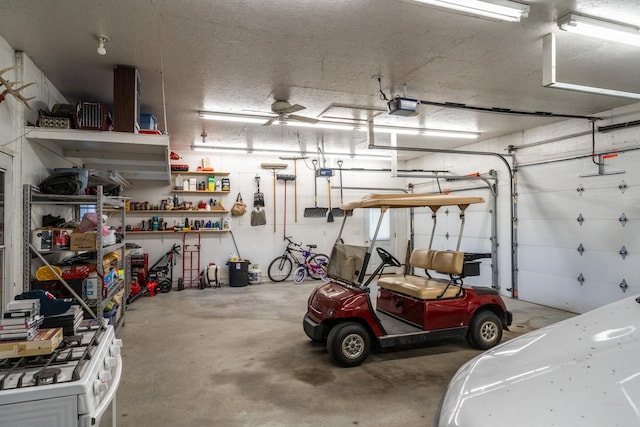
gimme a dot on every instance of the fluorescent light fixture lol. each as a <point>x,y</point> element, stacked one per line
<point>234,150</point>
<point>243,150</point>
<point>233,117</point>
<point>340,125</point>
<point>503,10</point>
<point>598,28</point>
<point>549,69</point>
<point>324,125</point>
<point>425,131</point>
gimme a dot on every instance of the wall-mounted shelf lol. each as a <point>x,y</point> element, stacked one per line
<point>200,192</point>
<point>135,156</point>
<point>177,231</point>
<point>200,173</point>
<point>177,212</point>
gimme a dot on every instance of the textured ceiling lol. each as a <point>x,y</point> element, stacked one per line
<point>239,56</point>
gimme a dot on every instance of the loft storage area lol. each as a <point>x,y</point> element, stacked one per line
<point>134,156</point>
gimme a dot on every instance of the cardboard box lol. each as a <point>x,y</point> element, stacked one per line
<point>83,241</point>
<point>45,341</point>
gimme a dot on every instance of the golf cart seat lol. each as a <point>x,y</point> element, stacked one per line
<point>424,288</point>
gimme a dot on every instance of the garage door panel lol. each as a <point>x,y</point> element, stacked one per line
<point>596,265</point>
<point>567,294</point>
<point>551,232</point>
<point>557,177</point>
<point>568,205</point>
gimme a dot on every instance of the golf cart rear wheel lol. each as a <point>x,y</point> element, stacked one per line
<point>180,284</point>
<point>485,330</point>
<point>348,344</point>
<point>165,286</point>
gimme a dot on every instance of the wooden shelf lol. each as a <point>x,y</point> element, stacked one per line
<point>201,173</point>
<point>177,212</point>
<point>178,231</point>
<point>200,192</point>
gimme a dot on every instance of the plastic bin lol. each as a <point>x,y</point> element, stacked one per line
<point>238,273</point>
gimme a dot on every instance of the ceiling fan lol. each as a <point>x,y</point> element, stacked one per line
<point>285,110</point>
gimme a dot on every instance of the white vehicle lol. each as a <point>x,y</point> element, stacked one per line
<point>583,371</point>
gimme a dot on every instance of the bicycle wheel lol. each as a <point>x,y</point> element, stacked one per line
<point>318,266</point>
<point>280,269</point>
<point>300,274</point>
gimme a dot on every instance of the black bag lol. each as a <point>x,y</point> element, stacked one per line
<point>258,216</point>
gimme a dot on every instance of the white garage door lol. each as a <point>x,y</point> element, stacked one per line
<point>552,270</point>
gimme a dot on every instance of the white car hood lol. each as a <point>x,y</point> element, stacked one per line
<point>584,371</point>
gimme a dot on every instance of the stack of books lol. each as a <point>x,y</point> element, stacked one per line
<point>69,321</point>
<point>21,320</point>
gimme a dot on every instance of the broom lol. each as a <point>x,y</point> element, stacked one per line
<point>274,167</point>
<point>285,178</point>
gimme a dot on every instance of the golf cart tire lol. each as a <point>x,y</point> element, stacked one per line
<point>348,344</point>
<point>165,286</point>
<point>485,330</point>
<point>180,284</point>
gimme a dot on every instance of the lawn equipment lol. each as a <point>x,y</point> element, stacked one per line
<point>159,278</point>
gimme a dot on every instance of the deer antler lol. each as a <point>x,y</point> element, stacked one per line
<point>14,91</point>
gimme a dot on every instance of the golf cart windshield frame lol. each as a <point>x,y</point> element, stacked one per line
<point>385,202</point>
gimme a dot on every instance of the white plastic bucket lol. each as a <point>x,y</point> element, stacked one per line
<point>255,274</point>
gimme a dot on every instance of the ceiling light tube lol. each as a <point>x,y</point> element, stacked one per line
<point>233,117</point>
<point>244,150</point>
<point>239,150</point>
<point>606,30</point>
<point>504,10</point>
<point>340,125</point>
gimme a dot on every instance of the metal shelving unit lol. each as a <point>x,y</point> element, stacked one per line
<point>101,203</point>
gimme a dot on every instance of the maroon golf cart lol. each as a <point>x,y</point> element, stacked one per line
<point>409,309</point>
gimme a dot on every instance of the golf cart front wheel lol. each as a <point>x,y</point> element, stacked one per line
<point>348,344</point>
<point>485,330</point>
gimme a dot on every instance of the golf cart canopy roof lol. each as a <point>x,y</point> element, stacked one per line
<point>401,200</point>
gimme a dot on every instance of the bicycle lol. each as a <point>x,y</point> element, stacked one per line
<point>317,269</point>
<point>281,267</point>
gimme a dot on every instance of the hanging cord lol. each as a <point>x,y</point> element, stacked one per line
<point>593,143</point>
<point>382,94</point>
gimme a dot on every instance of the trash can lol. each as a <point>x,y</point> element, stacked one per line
<point>238,273</point>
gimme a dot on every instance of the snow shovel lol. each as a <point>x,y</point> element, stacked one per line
<point>338,212</point>
<point>315,211</point>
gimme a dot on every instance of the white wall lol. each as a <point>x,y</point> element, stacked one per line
<point>28,162</point>
<point>261,244</point>
<point>548,205</point>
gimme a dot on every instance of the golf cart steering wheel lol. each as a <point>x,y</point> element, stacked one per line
<point>387,258</point>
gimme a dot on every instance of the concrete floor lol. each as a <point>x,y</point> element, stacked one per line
<point>239,357</point>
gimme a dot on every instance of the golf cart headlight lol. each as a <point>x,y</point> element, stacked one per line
<point>331,312</point>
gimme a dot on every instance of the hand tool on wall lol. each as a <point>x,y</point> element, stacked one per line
<point>285,178</point>
<point>338,212</point>
<point>315,211</point>
<point>274,167</point>
<point>295,183</point>
<point>330,214</point>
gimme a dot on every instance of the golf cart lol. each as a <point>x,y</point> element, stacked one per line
<point>410,309</point>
